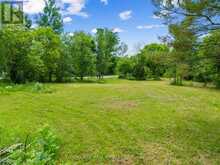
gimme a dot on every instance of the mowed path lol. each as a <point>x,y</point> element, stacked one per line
<point>119,122</point>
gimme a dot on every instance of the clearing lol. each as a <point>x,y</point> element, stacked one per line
<point>119,121</point>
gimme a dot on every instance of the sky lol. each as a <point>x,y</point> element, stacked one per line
<point>132,19</point>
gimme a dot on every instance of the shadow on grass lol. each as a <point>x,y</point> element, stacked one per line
<point>199,85</point>
<point>6,87</point>
<point>101,81</point>
<point>141,80</point>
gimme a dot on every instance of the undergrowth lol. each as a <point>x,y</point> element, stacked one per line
<point>41,149</point>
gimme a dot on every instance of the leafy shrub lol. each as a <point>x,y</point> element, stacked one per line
<point>38,87</point>
<point>125,67</point>
<point>41,88</point>
<point>7,88</point>
<point>42,150</point>
<point>217,80</point>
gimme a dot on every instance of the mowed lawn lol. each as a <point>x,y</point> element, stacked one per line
<point>119,121</point>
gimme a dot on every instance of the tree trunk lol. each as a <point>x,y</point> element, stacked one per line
<point>50,77</point>
<point>13,74</point>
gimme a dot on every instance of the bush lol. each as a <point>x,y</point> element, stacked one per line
<point>217,80</point>
<point>41,88</point>
<point>38,87</point>
<point>42,150</point>
<point>125,68</point>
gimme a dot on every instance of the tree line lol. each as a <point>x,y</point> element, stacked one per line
<point>42,55</point>
<point>47,54</point>
<point>193,43</point>
<point>194,33</point>
<point>183,58</point>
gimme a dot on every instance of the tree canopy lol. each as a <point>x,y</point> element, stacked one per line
<point>51,16</point>
<point>203,13</point>
<point>106,43</point>
<point>82,49</point>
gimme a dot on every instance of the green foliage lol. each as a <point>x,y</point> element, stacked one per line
<point>83,55</point>
<point>155,48</point>
<point>51,17</point>
<point>64,70</point>
<point>203,12</point>
<point>150,63</point>
<point>44,54</point>
<point>29,55</point>
<point>51,44</point>
<point>156,59</point>
<point>125,67</point>
<point>106,47</point>
<point>36,69</point>
<point>141,71</point>
<point>210,49</point>
<point>183,50</point>
<point>41,150</point>
<point>41,55</point>
<point>203,71</point>
<point>187,20</point>
<point>41,88</point>
<point>15,42</point>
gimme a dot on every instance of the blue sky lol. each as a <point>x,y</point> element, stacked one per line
<point>133,19</point>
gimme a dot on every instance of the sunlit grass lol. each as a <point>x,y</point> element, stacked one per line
<point>118,121</point>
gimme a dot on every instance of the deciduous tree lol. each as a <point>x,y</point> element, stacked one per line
<point>106,47</point>
<point>52,49</point>
<point>83,55</point>
<point>51,17</point>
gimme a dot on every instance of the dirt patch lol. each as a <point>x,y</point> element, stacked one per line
<point>123,161</point>
<point>116,104</point>
<point>155,154</point>
<point>205,159</point>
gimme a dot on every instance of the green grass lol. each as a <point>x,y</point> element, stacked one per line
<point>118,121</point>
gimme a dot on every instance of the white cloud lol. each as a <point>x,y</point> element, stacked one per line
<point>173,2</point>
<point>117,30</point>
<point>125,15</point>
<point>155,17</point>
<point>149,26</point>
<point>33,6</point>
<point>105,2</point>
<point>74,7</point>
<point>82,14</point>
<point>94,30</point>
<point>114,30</point>
<point>67,19</point>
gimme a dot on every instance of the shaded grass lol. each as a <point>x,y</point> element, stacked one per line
<point>119,121</point>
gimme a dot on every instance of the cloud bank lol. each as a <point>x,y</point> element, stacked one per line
<point>68,7</point>
<point>149,26</point>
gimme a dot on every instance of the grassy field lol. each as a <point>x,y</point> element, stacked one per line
<point>119,121</point>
